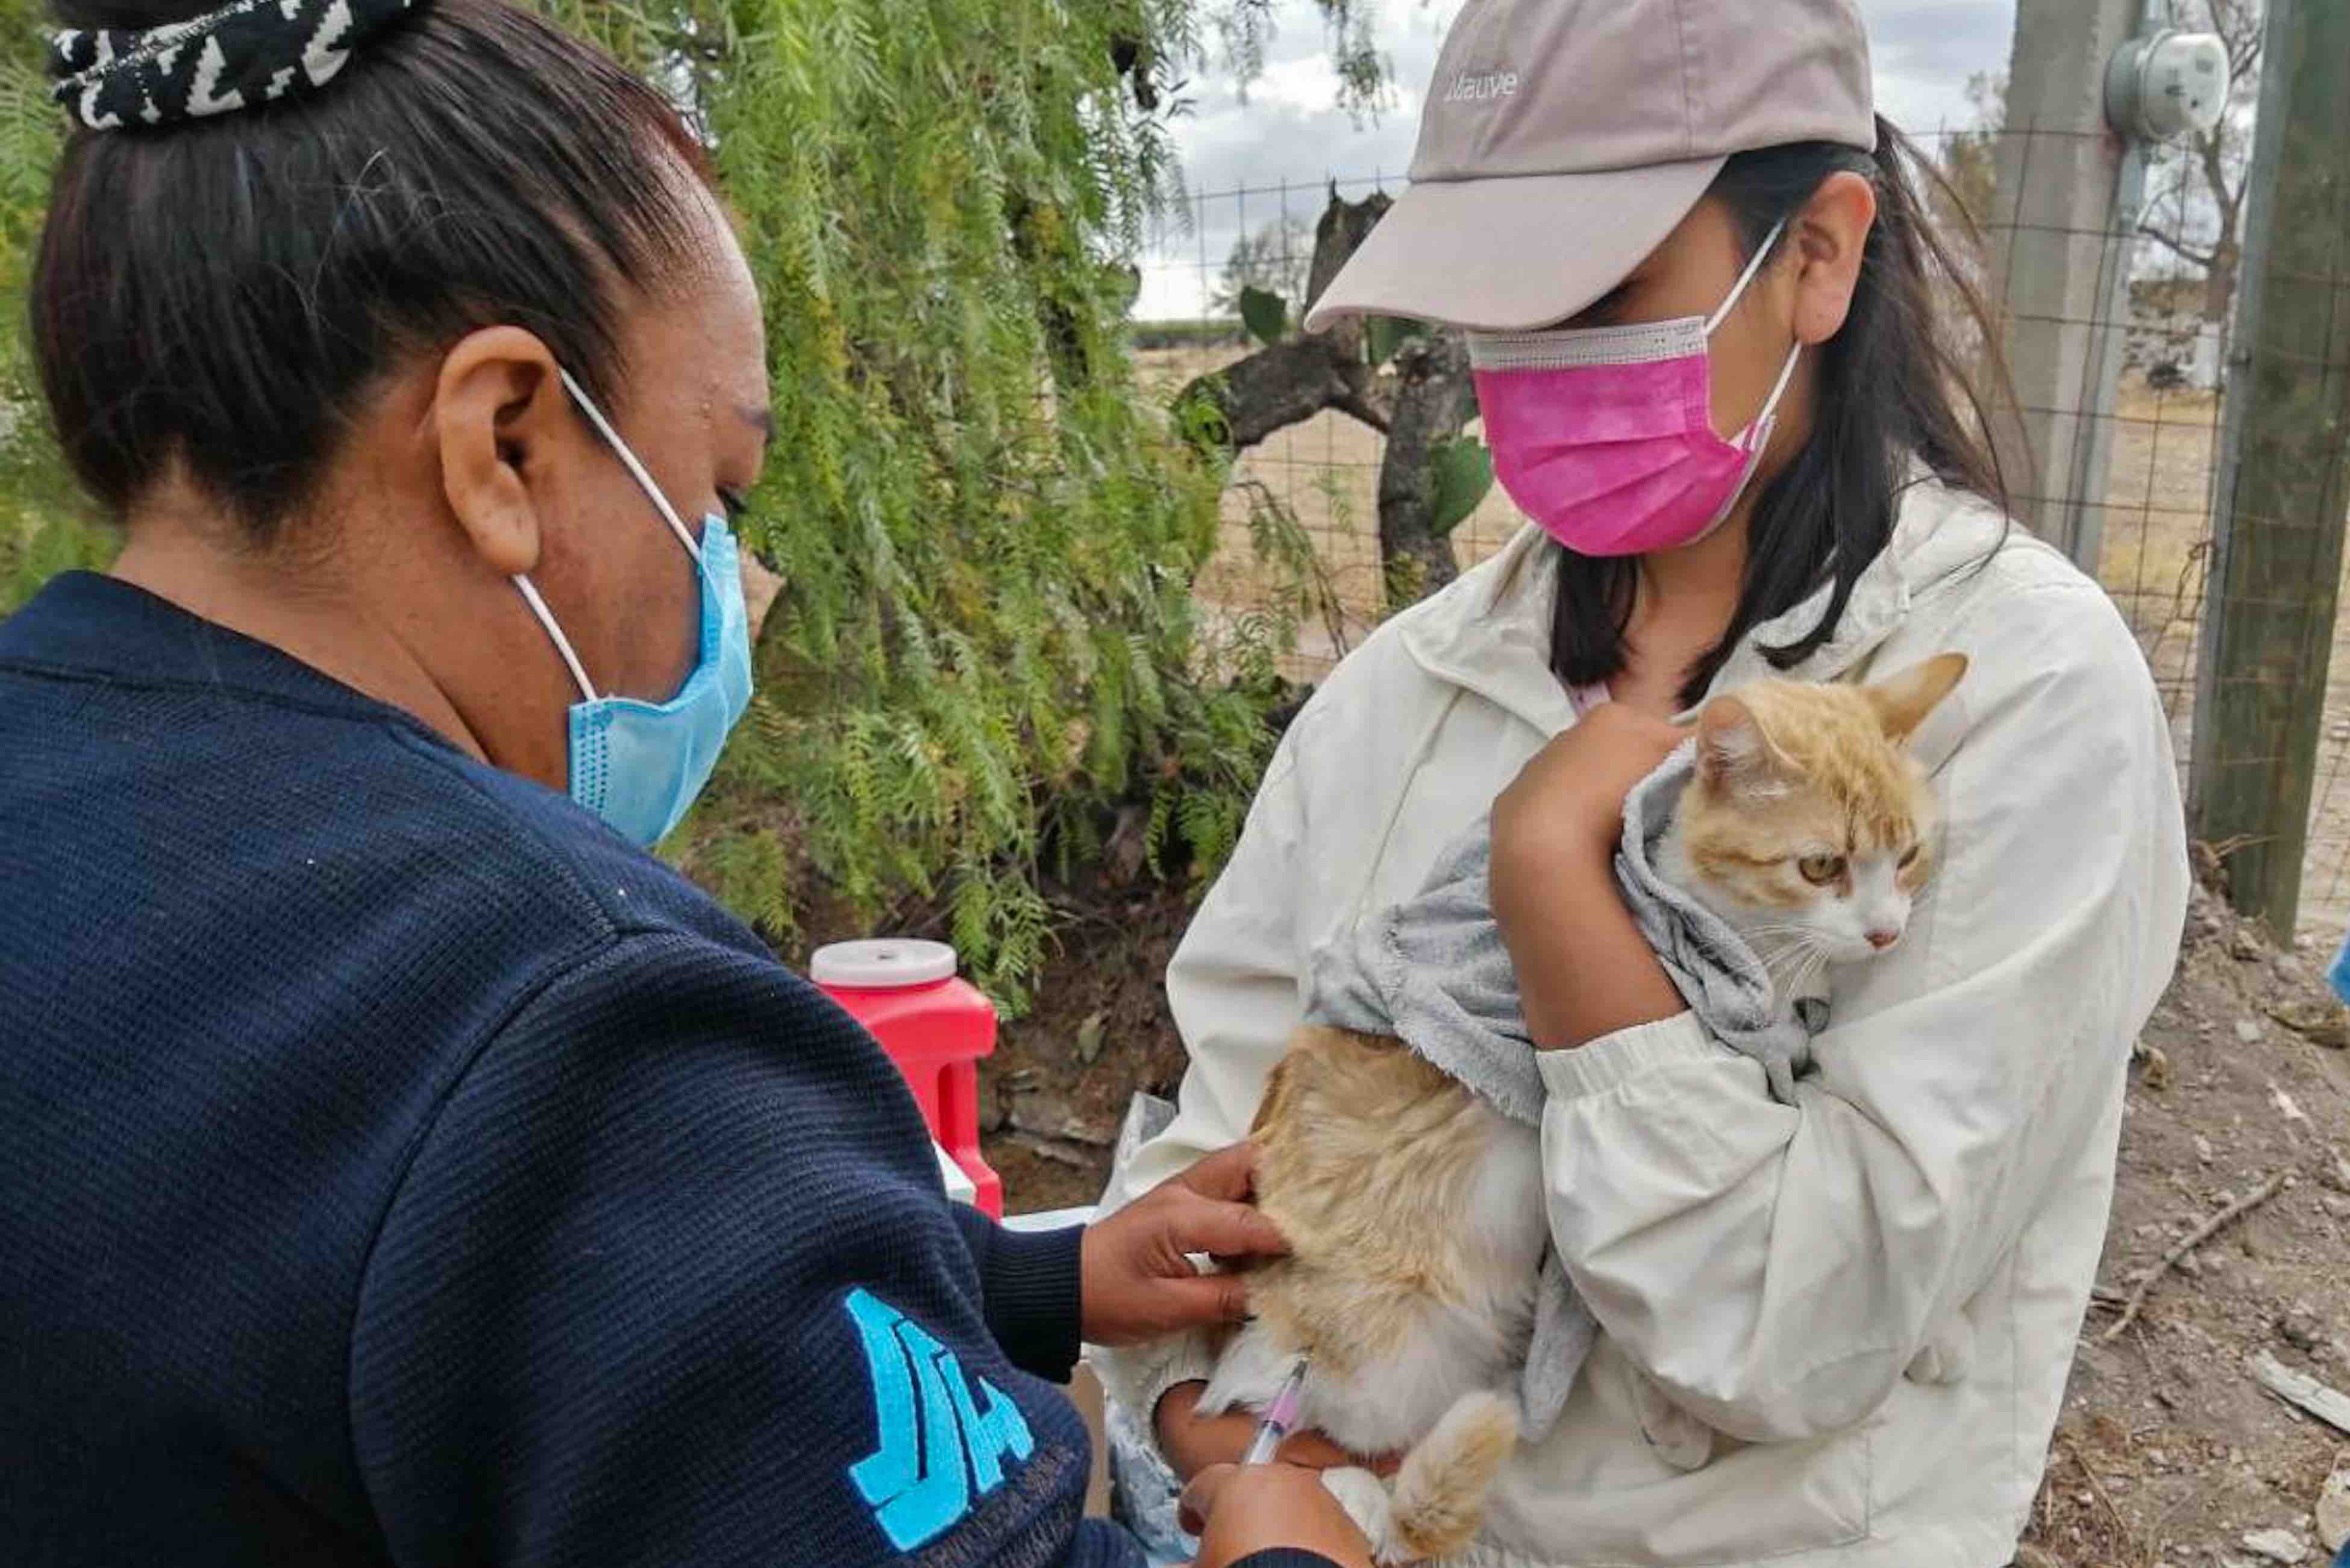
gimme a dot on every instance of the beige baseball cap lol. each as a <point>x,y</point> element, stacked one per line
<point>1562,140</point>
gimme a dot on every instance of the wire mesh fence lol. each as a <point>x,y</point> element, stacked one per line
<point>2148,496</point>
<point>1323,470</point>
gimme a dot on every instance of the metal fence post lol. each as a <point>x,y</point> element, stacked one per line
<point>2284,483</point>
<point>2065,225</point>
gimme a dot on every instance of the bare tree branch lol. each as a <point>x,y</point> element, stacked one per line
<point>1290,382</point>
<point>2202,259</point>
<point>2210,148</point>
<point>1276,387</point>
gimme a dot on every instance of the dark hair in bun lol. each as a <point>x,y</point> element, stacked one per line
<point>221,291</point>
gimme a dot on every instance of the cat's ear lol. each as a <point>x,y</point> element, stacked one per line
<point>1902,701</point>
<point>1731,751</point>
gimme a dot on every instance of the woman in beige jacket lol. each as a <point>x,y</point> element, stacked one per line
<point>1872,1294</point>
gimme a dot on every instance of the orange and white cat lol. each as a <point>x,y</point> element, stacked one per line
<point>1806,825</point>
<point>1414,1209</point>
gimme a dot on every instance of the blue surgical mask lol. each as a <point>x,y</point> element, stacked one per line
<point>638,764</point>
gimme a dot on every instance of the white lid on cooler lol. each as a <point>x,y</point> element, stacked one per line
<point>882,963</point>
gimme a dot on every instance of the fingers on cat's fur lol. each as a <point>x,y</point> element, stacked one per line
<point>1440,1493</point>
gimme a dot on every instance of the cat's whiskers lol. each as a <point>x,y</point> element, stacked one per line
<point>1800,950</point>
<point>1778,936</point>
<point>1812,970</point>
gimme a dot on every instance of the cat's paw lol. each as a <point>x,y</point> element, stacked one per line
<point>1365,1498</point>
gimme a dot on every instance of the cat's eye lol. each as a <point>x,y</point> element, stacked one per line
<point>1821,870</point>
<point>1910,858</point>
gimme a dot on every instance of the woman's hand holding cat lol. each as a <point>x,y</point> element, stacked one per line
<point>1570,798</point>
<point>1584,969</point>
<point>1136,1277</point>
<point>1236,1510</point>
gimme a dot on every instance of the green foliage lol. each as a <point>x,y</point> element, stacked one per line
<point>1463,473</point>
<point>44,527</point>
<point>1265,315</point>
<point>987,536</point>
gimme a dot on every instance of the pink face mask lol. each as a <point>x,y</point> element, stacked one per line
<point>1604,435</point>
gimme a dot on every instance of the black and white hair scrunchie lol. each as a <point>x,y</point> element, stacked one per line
<point>248,52</point>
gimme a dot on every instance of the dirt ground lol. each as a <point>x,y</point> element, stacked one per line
<point>2156,523</point>
<point>2169,1454</point>
<point>2170,1451</point>
<point>1047,1115</point>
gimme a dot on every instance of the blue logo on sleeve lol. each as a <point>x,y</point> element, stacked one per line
<point>937,1448</point>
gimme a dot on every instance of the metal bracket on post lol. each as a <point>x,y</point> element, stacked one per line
<point>2165,83</point>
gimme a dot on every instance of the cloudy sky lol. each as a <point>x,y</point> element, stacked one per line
<point>1289,132</point>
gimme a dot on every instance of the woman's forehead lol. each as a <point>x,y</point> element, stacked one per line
<point>708,329</point>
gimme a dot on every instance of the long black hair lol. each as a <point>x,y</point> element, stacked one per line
<point>219,297</point>
<point>1892,384</point>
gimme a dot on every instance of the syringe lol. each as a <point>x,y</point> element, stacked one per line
<point>1280,1417</point>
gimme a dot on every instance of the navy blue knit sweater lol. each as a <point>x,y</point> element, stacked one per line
<point>397,1167</point>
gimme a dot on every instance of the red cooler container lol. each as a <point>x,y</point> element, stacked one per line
<point>934,1026</point>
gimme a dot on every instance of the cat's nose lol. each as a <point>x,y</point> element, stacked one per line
<point>1881,940</point>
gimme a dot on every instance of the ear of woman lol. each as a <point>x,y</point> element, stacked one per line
<point>1830,236</point>
<point>499,408</point>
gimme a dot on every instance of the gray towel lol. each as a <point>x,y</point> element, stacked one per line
<point>1433,972</point>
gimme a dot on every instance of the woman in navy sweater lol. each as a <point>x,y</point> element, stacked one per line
<point>396,1164</point>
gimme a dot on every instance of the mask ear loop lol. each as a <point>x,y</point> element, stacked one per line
<point>1754,266</point>
<point>1760,429</point>
<point>653,492</point>
<point>1756,430</point>
<point>629,460</point>
<point>555,634</point>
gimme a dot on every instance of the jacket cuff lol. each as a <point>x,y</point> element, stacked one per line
<point>1030,1287</point>
<point>1614,1060</point>
<point>1135,1377</point>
